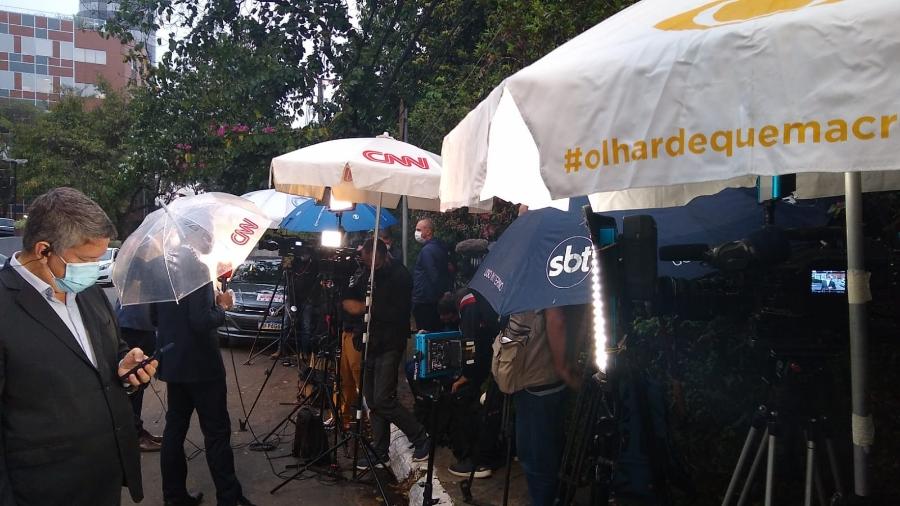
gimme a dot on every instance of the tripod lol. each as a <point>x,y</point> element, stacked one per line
<point>797,405</point>
<point>589,452</point>
<point>507,431</point>
<point>371,457</point>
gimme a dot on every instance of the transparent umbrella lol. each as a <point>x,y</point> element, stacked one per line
<point>185,245</point>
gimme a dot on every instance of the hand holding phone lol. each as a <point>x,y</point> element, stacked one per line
<point>143,363</point>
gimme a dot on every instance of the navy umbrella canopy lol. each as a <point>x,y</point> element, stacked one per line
<point>542,260</point>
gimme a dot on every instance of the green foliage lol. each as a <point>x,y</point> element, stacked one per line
<point>82,143</point>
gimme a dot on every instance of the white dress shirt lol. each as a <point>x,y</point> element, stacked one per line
<point>67,311</point>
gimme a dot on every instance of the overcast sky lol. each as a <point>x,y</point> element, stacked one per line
<point>52,6</point>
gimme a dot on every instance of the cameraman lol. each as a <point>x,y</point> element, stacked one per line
<point>387,341</point>
<point>474,429</point>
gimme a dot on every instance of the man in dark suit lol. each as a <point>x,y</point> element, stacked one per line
<point>66,430</point>
<point>195,378</point>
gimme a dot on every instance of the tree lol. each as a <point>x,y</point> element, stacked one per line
<point>82,143</point>
<point>223,99</point>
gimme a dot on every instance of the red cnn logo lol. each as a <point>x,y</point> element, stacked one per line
<point>242,233</point>
<point>390,159</point>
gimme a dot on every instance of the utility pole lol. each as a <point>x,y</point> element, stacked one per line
<point>404,205</point>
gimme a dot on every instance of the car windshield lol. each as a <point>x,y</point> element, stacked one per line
<point>107,255</point>
<point>258,271</point>
<point>6,222</point>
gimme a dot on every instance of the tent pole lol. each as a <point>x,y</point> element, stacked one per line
<point>858,295</point>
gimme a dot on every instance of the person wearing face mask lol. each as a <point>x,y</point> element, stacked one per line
<point>431,277</point>
<point>67,434</point>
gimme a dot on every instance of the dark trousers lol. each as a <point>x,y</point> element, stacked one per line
<point>209,399</point>
<point>380,391</point>
<point>427,317</point>
<point>146,341</point>
<point>487,435</point>
<point>540,418</point>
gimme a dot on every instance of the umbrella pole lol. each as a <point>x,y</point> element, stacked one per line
<point>858,294</point>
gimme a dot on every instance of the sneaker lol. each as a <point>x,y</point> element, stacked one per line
<point>422,449</point>
<point>464,468</point>
<point>362,464</point>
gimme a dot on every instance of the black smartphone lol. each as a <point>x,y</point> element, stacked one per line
<point>156,356</point>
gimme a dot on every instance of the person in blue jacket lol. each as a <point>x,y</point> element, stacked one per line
<point>431,277</point>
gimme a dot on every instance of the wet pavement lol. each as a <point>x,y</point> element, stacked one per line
<point>255,469</point>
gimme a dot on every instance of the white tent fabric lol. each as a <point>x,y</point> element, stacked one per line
<point>676,92</point>
<point>362,170</point>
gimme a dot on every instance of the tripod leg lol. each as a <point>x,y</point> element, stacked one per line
<point>738,469</point>
<point>820,487</point>
<point>507,421</point>
<point>770,469</point>
<point>810,471</point>
<point>833,464</point>
<point>754,468</point>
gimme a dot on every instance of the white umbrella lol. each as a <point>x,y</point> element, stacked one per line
<point>670,99</point>
<point>274,203</point>
<point>185,245</point>
<point>369,170</point>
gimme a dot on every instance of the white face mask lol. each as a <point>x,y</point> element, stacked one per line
<point>419,238</point>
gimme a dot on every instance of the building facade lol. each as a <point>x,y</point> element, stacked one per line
<point>43,55</point>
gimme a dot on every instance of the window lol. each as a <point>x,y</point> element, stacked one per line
<point>27,82</point>
<point>65,50</point>
<point>28,45</point>
<point>7,43</point>
<point>43,48</point>
<point>90,56</point>
<point>43,84</point>
<point>7,80</point>
<point>52,24</point>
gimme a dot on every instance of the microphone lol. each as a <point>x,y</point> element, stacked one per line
<point>472,247</point>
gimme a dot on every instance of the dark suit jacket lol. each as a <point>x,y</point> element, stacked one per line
<point>66,428</point>
<point>191,324</point>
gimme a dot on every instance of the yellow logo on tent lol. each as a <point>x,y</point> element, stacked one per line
<point>726,12</point>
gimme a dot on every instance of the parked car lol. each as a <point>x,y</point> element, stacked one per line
<point>253,283</point>
<point>7,227</point>
<point>106,266</point>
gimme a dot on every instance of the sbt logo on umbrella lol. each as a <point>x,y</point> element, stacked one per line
<point>570,262</point>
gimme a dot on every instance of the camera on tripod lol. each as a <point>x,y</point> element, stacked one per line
<point>792,283</point>
<point>285,246</point>
<point>442,354</point>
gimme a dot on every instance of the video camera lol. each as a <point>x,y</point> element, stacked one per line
<point>441,354</point>
<point>792,283</point>
<point>285,246</point>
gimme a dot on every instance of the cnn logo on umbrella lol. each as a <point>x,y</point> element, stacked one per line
<point>392,159</point>
<point>243,232</point>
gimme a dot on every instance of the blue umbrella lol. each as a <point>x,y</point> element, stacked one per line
<point>542,260</point>
<point>312,217</point>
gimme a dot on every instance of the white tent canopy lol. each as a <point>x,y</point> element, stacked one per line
<point>676,92</point>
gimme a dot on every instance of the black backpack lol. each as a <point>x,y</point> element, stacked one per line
<point>309,438</point>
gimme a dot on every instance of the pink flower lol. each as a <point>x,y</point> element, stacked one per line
<point>268,130</point>
<point>240,128</point>
<point>220,132</point>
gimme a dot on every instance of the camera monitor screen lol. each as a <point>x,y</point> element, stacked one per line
<point>829,282</point>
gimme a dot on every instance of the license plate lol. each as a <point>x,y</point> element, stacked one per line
<point>270,325</point>
<point>266,297</point>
